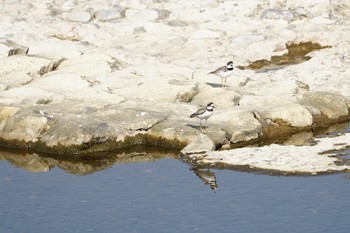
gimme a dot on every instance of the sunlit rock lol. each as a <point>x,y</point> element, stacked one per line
<point>24,126</point>
<point>15,79</point>
<point>290,115</point>
<point>81,65</point>
<point>79,16</point>
<point>108,15</point>
<point>326,107</point>
<point>25,64</point>
<point>322,19</point>
<point>241,125</point>
<point>277,14</point>
<point>202,143</point>
<point>283,159</point>
<point>340,7</point>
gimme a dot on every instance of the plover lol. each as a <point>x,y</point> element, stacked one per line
<point>204,113</point>
<point>224,72</point>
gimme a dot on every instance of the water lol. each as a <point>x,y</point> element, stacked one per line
<point>164,195</point>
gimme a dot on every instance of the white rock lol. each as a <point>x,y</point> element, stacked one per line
<point>87,65</point>
<point>277,14</point>
<point>207,34</point>
<point>79,16</point>
<point>245,40</point>
<point>15,79</point>
<point>201,144</point>
<point>292,115</point>
<point>340,7</point>
<point>60,83</point>
<point>322,19</point>
<point>108,15</point>
<point>28,96</point>
<point>291,159</point>
<point>23,63</point>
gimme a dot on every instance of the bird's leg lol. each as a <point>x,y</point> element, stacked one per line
<point>200,124</point>
<point>222,83</point>
<point>206,121</point>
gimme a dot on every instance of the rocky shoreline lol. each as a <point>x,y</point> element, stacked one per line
<point>79,78</point>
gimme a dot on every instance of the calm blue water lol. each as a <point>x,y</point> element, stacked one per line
<point>166,196</point>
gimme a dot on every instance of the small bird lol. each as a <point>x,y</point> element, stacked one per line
<point>204,113</point>
<point>224,72</point>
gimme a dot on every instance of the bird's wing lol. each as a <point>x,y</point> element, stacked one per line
<point>199,111</point>
<point>222,68</point>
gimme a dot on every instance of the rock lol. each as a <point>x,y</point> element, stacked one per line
<point>24,126</point>
<point>177,23</point>
<point>81,65</point>
<point>187,96</point>
<point>289,115</point>
<point>163,14</point>
<point>241,125</point>
<point>60,83</point>
<point>108,15</point>
<point>27,96</point>
<point>178,41</point>
<point>325,107</point>
<point>245,40</point>
<point>132,119</point>
<point>322,19</point>
<point>24,64</point>
<point>142,15</point>
<point>79,16</point>
<point>201,144</point>
<point>176,128</point>
<point>138,30</point>
<point>340,7</point>
<point>282,159</point>
<point>76,131</point>
<point>15,79</point>
<point>5,113</point>
<point>219,96</point>
<point>301,13</point>
<point>3,87</point>
<point>278,14</point>
<point>207,34</point>
<point>15,48</point>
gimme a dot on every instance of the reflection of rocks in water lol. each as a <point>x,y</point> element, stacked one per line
<point>207,176</point>
<point>77,164</point>
<point>88,165</point>
<point>299,139</point>
<point>30,162</point>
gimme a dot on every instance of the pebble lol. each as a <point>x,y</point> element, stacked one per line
<point>177,23</point>
<point>277,14</point>
<point>79,16</point>
<point>108,15</point>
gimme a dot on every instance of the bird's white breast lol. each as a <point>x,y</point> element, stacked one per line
<point>224,74</point>
<point>205,115</point>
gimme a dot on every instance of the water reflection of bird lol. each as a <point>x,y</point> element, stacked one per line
<point>207,176</point>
